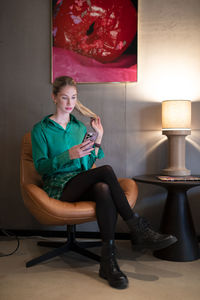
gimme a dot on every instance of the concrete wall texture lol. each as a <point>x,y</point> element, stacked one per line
<point>168,68</point>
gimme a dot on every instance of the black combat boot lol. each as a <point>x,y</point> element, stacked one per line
<point>144,237</point>
<point>109,268</point>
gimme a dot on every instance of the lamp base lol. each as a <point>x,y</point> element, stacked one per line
<point>176,172</point>
<point>176,153</point>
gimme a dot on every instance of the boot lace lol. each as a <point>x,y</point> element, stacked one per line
<point>147,230</point>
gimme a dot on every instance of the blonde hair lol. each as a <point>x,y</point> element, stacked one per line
<point>61,82</point>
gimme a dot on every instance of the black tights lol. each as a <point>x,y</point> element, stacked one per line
<point>100,185</point>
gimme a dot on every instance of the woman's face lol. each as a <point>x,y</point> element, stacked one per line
<point>66,99</point>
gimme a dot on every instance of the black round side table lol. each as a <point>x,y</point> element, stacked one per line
<point>177,219</point>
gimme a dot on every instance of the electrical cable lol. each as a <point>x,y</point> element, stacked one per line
<point>9,234</point>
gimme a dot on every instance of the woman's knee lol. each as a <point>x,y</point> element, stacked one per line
<point>101,187</point>
<point>102,195</point>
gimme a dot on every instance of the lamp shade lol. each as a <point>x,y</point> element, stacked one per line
<point>176,115</point>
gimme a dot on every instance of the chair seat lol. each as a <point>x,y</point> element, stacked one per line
<point>51,211</point>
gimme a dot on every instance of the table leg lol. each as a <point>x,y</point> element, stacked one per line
<point>177,220</point>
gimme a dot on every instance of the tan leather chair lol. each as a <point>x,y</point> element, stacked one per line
<point>51,211</point>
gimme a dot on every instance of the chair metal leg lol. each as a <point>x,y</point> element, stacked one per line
<point>85,252</point>
<point>48,255</point>
<point>90,244</point>
<point>70,245</point>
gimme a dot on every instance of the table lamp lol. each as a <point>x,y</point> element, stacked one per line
<point>176,122</point>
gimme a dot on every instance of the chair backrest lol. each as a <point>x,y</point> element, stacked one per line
<point>28,173</point>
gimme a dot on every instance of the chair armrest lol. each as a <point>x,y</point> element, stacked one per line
<point>130,189</point>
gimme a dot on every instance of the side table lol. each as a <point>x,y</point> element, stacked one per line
<point>177,219</point>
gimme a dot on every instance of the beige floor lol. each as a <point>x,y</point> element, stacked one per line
<point>74,277</point>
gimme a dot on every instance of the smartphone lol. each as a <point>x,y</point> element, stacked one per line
<point>90,136</point>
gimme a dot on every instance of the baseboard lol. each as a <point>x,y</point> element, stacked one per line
<point>62,234</point>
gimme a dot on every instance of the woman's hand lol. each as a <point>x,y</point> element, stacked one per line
<point>97,126</point>
<point>81,150</point>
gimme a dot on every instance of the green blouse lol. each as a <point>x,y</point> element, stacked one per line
<point>50,147</point>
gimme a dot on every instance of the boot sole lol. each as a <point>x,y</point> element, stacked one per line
<point>158,246</point>
<point>119,286</point>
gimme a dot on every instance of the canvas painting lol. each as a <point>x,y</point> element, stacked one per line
<point>95,41</point>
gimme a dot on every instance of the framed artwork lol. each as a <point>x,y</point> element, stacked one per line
<point>94,40</point>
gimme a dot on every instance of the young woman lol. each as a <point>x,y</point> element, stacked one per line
<point>64,160</point>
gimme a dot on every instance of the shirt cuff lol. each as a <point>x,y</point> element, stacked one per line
<point>100,153</point>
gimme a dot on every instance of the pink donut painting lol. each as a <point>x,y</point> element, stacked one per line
<point>95,40</point>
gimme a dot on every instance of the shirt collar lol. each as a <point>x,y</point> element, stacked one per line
<point>46,119</point>
<point>73,119</point>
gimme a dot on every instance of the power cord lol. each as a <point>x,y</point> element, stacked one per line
<point>9,234</point>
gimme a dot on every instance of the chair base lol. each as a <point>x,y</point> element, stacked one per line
<point>70,245</point>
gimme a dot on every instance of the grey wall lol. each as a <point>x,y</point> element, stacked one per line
<point>168,68</point>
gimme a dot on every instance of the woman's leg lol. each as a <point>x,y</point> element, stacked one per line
<point>89,186</point>
<point>81,184</point>
<point>101,185</point>
<point>105,210</point>
<point>143,236</point>
<point>106,217</point>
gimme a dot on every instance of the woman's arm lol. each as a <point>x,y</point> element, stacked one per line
<point>44,164</point>
<point>97,126</point>
<point>88,162</point>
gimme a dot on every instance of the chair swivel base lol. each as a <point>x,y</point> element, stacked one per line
<point>61,248</point>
